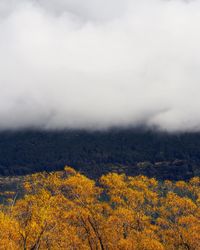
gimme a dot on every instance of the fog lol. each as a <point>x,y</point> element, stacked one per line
<point>96,64</point>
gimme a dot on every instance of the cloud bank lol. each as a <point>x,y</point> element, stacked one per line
<point>96,64</point>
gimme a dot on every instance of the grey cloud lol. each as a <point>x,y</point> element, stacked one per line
<point>98,63</point>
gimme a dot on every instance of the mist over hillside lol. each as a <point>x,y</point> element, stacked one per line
<point>133,151</point>
<point>84,67</point>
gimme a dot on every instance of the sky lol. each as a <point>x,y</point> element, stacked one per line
<point>97,64</point>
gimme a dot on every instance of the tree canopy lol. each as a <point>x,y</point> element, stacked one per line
<point>67,210</point>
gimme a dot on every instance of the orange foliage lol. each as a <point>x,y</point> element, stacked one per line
<point>66,210</point>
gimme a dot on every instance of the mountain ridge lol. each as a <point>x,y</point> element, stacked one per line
<point>133,151</point>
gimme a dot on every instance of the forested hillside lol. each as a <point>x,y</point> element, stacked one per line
<point>161,155</point>
<point>66,210</point>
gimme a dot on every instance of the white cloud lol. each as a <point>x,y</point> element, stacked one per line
<point>99,63</point>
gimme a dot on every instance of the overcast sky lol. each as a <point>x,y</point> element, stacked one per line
<point>100,63</point>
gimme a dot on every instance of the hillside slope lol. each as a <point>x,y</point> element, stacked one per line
<point>165,156</point>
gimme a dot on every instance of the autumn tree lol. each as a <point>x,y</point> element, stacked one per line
<point>67,210</point>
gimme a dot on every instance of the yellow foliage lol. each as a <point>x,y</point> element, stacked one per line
<point>66,210</point>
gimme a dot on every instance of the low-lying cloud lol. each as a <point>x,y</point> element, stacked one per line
<point>96,64</point>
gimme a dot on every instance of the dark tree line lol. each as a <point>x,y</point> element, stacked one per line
<point>162,155</point>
